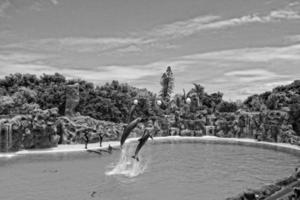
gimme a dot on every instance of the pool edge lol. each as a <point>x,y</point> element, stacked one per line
<point>288,148</point>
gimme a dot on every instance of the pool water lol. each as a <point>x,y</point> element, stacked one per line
<point>172,171</point>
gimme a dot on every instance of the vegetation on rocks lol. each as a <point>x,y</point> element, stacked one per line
<point>81,107</point>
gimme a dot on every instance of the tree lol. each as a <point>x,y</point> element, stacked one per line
<point>212,100</point>
<point>254,103</point>
<point>6,105</point>
<point>167,83</point>
<point>226,106</point>
<point>198,90</point>
<point>295,113</point>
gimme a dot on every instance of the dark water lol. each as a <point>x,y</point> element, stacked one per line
<point>166,171</point>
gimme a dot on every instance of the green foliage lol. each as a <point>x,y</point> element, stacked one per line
<point>112,101</point>
<point>203,99</point>
<point>295,113</point>
<point>6,105</point>
<point>226,106</point>
<point>254,102</point>
<point>212,100</point>
<point>51,92</point>
<point>278,98</point>
<point>197,90</point>
<point>20,102</point>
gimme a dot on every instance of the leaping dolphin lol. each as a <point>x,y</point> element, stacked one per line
<point>142,142</point>
<point>128,129</point>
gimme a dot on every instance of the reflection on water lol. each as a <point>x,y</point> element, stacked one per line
<point>165,171</point>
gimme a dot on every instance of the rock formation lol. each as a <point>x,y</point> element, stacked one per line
<point>72,99</point>
<point>35,130</point>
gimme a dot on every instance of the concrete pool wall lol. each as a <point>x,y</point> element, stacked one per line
<point>284,147</point>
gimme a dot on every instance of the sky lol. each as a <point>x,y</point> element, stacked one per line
<point>238,47</point>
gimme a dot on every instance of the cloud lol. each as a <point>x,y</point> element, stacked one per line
<point>252,75</point>
<point>293,38</point>
<point>156,38</point>
<point>222,71</point>
<point>23,62</point>
<point>98,45</point>
<point>236,72</point>
<point>281,14</point>
<point>277,83</point>
<point>191,26</point>
<point>41,63</point>
<point>77,44</point>
<point>130,49</point>
<point>294,3</point>
<point>4,5</point>
<point>102,41</point>
<point>55,2</point>
<point>18,57</point>
<point>247,71</point>
<point>182,28</point>
<point>262,54</point>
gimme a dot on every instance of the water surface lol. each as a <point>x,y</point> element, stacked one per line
<point>173,171</point>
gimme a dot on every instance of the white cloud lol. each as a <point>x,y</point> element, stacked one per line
<point>292,4</point>
<point>155,38</point>
<point>282,14</point>
<point>191,26</point>
<point>91,41</point>
<point>182,28</point>
<point>130,49</point>
<point>252,75</point>
<point>77,44</point>
<point>23,62</point>
<point>263,54</point>
<point>277,83</point>
<point>20,57</point>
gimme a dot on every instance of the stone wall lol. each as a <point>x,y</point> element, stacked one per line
<point>72,129</point>
<point>271,126</point>
<point>44,129</point>
<point>35,130</point>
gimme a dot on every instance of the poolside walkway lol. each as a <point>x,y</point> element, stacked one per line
<point>64,148</point>
<point>116,144</point>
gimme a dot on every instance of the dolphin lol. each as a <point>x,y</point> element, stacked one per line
<point>142,142</point>
<point>128,129</point>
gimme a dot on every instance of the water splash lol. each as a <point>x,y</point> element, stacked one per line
<point>128,166</point>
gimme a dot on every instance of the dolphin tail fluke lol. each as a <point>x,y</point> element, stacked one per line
<point>136,158</point>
